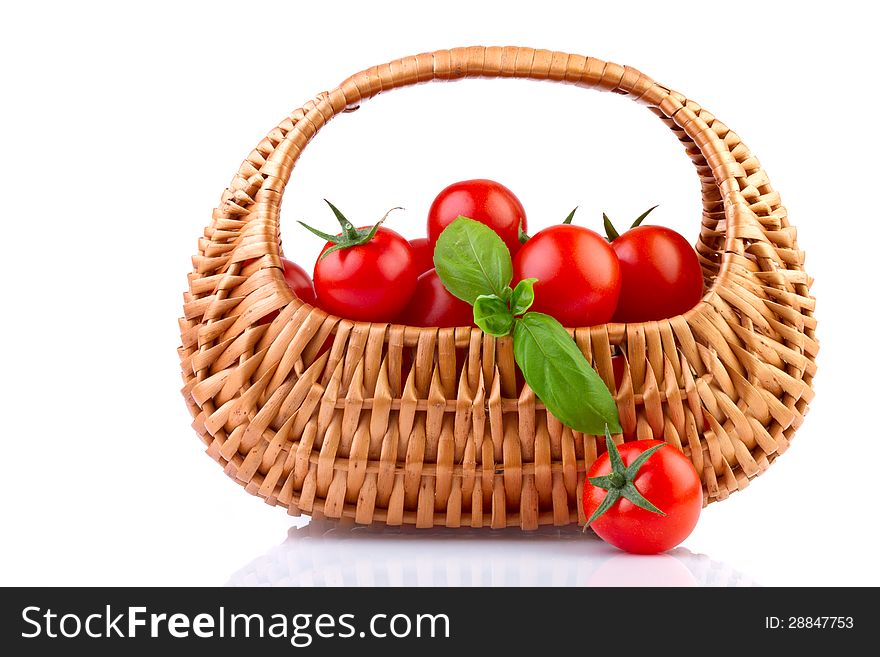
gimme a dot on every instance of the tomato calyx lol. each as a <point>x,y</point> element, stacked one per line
<point>611,231</point>
<point>524,237</point>
<point>350,236</point>
<point>620,482</point>
<point>521,235</point>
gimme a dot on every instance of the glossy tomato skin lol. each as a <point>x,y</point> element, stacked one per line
<point>660,274</point>
<point>423,252</point>
<point>298,281</point>
<point>577,271</point>
<point>486,201</point>
<point>433,305</point>
<point>370,282</point>
<point>668,480</point>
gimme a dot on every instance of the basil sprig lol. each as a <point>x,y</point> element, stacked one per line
<point>474,265</point>
<point>493,315</point>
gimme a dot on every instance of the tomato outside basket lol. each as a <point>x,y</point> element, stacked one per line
<point>354,431</point>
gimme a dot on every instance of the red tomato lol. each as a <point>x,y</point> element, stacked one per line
<point>371,282</point>
<point>618,365</point>
<point>423,252</point>
<point>667,480</point>
<point>433,305</point>
<point>298,281</point>
<point>486,201</point>
<point>660,274</point>
<point>577,271</point>
<point>406,365</point>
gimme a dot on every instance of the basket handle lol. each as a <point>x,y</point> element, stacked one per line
<point>525,63</point>
<point>507,62</point>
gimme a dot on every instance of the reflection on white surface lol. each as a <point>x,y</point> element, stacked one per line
<point>330,553</point>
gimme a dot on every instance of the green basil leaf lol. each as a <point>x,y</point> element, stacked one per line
<point>561,377</point>
<point>523,296</point>
<point>492,315</point>
<point>472,260</point>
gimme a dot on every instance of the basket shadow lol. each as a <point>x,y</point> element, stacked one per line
<point>337,553</point>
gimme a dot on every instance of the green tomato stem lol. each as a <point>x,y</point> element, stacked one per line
<point>521,235</point>
<point>350,236</point>
<point>610,230</point>
<point>641,217</point>
<point>621,481</point>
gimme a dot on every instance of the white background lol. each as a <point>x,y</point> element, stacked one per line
<point>122,125</point>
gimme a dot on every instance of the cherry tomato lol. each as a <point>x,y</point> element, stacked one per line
<point>660,274</point>
<point>667,480</point>
<point>298,281</point>
<point>433,305</point>
<point>577,271</point>
<point>406,365</point>
<point>618,365</point>
<point>371,282</point>
<point>423,252</point>
<point>486,201</point>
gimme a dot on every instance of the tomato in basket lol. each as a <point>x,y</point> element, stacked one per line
<point>423,252</point>
<point>297,280</point>
<point>433,305</point>
<point>366,274</point>
<point>660,274</point>
<point>577,271</point>
<point>486,201</point>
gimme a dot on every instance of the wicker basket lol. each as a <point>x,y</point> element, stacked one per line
<point>355,431</point>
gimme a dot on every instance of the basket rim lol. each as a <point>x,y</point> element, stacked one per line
<point>616,330</point>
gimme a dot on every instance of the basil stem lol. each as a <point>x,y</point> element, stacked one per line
<point>474,265</point>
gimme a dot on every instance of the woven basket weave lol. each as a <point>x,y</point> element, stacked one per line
<point>354,431</point>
